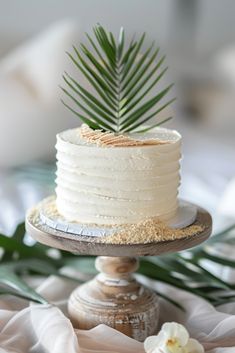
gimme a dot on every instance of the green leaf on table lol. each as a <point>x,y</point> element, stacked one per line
<point>185,270</point>
<point>18,286</point>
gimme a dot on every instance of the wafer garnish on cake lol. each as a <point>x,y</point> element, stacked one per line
<point>109,139</point>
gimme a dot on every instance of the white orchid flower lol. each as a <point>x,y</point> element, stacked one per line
<point>173,338</point>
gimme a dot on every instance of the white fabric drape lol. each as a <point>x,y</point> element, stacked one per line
<point>38,328</point>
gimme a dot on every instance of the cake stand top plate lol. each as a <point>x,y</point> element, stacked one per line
<point>84,245</point>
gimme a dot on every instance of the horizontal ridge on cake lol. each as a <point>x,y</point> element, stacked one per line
<point>104,178</point>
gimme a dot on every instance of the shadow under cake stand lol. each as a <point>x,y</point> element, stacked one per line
<point>114,297</point>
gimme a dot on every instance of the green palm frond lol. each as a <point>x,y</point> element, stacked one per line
<point>122,77</point>
<point>19,259</point>
<point>184,272</point>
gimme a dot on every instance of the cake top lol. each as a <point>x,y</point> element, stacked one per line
<point>109,139</point>
<point>84,136</point>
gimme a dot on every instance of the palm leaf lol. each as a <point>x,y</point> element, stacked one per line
<point>121,41</point>
<point>117,73</point>
<point>105,74</point>
<point>129,63</point>
<point>142,122</point>
<point>90,102</point>
<point>130,107</point>
<point>105,45</point>
<point>87,121</point>
<point>94,117</point>
<point>100,56</point>
<point>137,67</point>
<point>184,272</point>
<point>109,101</point>
<point>17,287</point>
<point>127,53</point>
<point>138,113</point>
<point>97,77</point>
<point>89,96</point>
<point>139,84</point>
<point>129,89</point>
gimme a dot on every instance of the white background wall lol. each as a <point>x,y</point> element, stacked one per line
<point>214,25</point>
<point>189,31</point>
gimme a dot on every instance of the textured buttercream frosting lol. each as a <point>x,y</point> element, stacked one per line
<point>117,185</point>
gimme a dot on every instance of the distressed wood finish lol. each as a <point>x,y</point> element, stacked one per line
<point>90,246</point>
<point>114,297</point>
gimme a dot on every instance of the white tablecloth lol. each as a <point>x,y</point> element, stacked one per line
<point>45,328</point>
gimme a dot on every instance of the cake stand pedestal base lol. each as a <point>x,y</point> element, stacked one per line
<point>116,299</point>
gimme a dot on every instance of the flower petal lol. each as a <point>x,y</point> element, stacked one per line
<point>193,346</point>
<point>152,343</point>
<point>175,330</point>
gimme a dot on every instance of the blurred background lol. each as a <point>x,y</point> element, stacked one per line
<point>198,37</point>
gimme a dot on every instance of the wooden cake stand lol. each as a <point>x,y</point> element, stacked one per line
<point>114,297</point>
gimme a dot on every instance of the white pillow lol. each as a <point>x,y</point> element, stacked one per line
<point>30,109</point>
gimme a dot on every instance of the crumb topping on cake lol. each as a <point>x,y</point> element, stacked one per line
<point>150,231</point>
<point>109,139</point>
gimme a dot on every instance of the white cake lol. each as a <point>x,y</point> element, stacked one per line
<point>117,185</point>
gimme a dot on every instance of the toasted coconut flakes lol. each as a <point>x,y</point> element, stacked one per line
<point>150,231</point>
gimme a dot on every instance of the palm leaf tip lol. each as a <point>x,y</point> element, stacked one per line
<point>122,82</point>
